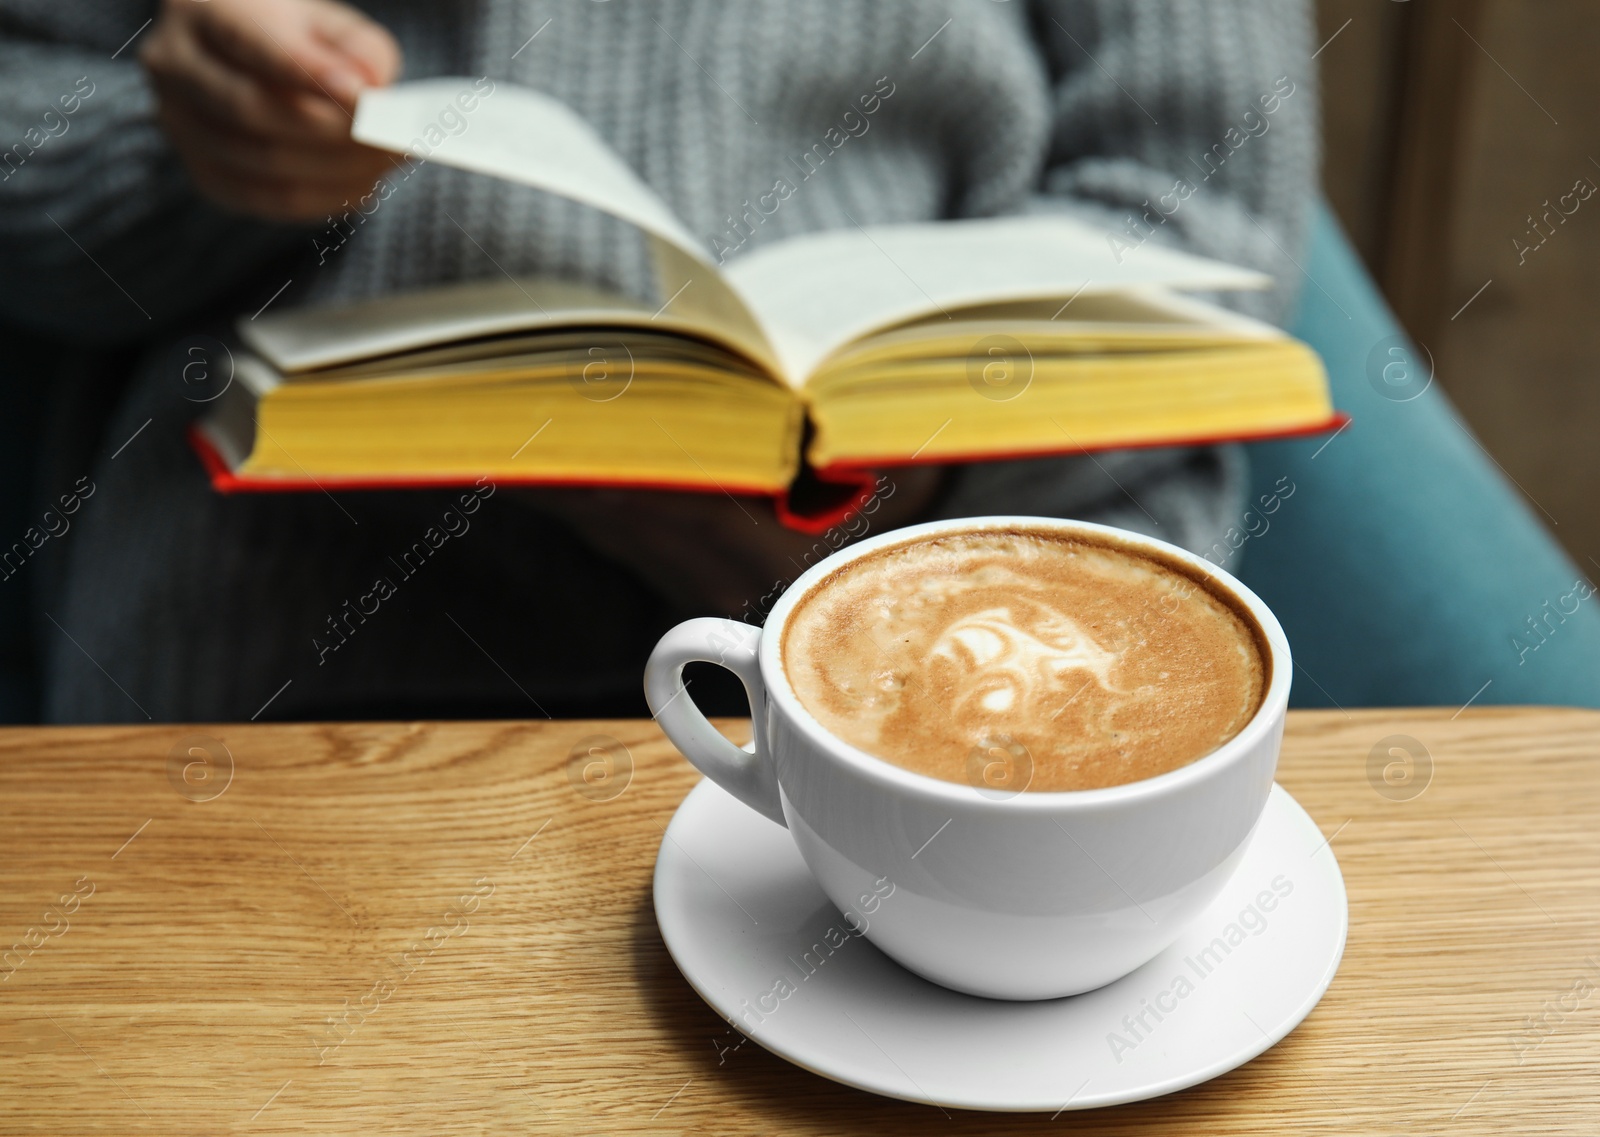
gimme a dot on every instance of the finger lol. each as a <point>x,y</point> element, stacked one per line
<point>270,199</point>
<point>254,195</point>
<point>336,163</point>
<point>361,40</point>
<point>228,143</point>
<point>286,48</point>
<point>256,192</point>
<point>184,72</point>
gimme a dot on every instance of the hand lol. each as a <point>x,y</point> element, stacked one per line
<point>713,554</point>
<point>257,98</point>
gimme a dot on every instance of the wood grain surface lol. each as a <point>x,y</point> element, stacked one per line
<point>446,928</point>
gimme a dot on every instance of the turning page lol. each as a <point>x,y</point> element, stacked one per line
<point>518,134</point>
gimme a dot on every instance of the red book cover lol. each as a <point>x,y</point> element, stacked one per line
<point>817,501</point>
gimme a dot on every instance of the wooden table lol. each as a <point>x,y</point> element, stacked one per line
<point>441,928</point>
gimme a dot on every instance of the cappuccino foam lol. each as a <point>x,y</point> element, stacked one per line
<point>1022,659</point>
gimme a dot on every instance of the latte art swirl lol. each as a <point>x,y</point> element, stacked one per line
<point>1081,664</point>
<point>1003,663</point>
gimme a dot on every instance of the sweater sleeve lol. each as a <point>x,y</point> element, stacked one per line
<point>102,235</point>
<point>1186,122</point>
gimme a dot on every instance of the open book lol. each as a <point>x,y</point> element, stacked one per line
<point>842,351</point>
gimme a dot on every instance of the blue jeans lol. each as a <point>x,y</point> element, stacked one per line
<point>1405,568</point>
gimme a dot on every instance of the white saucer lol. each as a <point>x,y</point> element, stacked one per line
<point>737,907</point>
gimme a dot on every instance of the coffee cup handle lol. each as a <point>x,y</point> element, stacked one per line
<point>745,772</point>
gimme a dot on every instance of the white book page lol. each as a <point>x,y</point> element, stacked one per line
<point>817,293</point>
<point>524,136</point>
<point>518,134</point>
<point>792,303</point>
<point>306,339</point>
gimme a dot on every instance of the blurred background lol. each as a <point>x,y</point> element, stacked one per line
<point>1451,127</point>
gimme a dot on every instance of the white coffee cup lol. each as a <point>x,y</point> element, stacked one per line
<point>1031,895</point>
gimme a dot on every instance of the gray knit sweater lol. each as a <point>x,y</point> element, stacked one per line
<point>1095,107</point>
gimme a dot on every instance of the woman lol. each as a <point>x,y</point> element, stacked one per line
<point>205,165</point>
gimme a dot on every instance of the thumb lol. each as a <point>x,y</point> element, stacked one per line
<point>360,47</point>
